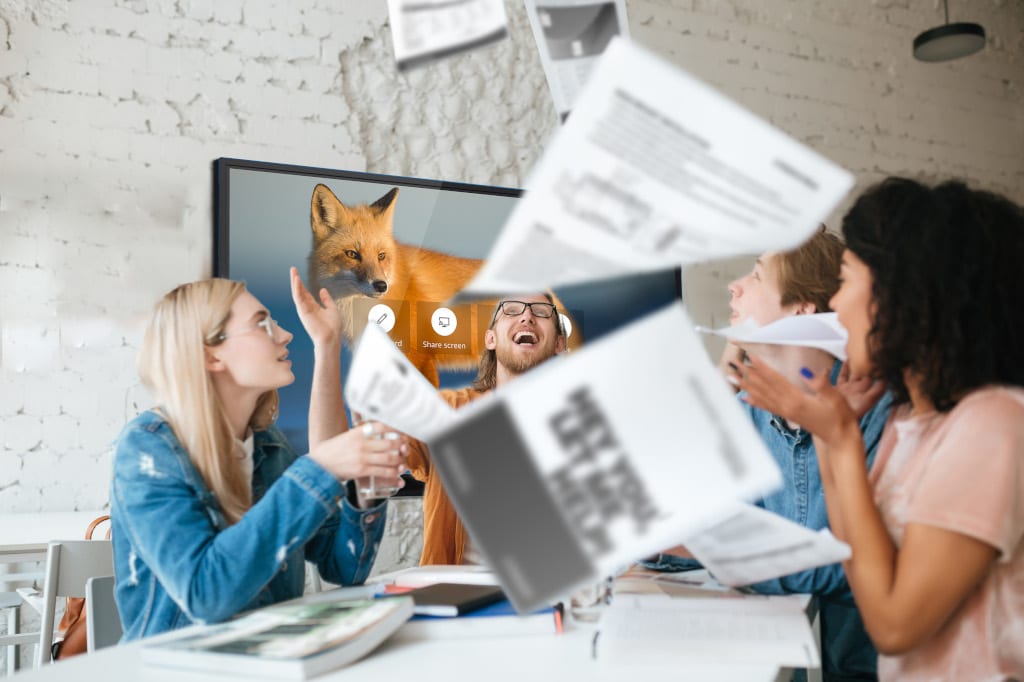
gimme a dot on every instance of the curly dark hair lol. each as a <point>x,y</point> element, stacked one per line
<point>948,288</point>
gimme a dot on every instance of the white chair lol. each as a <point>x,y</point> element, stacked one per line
<point>11,603</point>
<point>69,565</point>
<point>102,621</point>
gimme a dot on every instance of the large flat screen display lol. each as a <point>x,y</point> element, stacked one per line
<point>391,250</point>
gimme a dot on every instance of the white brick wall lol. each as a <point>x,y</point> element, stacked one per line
<point>112,110</point>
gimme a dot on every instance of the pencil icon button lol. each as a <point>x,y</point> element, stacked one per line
<point>383,316</point>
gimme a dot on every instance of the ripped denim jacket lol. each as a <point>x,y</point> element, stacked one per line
<point>178,562</point>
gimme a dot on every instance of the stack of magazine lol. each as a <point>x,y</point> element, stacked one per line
<point>288,641</point>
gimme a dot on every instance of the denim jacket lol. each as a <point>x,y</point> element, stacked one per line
<point>846,648</point>
<point>178,562</point>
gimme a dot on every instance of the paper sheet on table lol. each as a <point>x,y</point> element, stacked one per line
<point>654,169</point>
<point>426,30</point>
<point>571,35</point>
<point>749,544</point>
<point>694,583</point>
<point>821,330</point>
<point>608,454</point>
<point>383,385</point>
<point>653,629</point>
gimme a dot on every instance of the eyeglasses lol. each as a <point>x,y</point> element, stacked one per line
<point>517,307</point>
<point>268,324</point>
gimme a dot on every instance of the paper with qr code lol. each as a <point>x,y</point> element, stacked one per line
<point>654,169</point>
<point>590,461</point>
<point>384,386</point>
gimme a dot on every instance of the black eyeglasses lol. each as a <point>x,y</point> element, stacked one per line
<point>517,307</point>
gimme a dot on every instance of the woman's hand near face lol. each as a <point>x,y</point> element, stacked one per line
<point>322,322</point>
<point>353,454</point>
<point>733,355</point>
<point>821,408</point>
<point>861,393</point>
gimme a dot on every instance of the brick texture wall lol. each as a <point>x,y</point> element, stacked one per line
<point>111,112</point>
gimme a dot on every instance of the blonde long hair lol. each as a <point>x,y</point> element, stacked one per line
<point>172,364</point>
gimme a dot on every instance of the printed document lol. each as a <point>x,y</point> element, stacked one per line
<point>571,35</point>
<point>426,30</point>
<point>657,629</point>
<point>821,330</point>
<point>382,385</point>
<point>612,453</point>
<point>654,169</point>
<point>749,544</point>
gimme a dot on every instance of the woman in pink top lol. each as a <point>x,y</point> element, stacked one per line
<point>932,295</point>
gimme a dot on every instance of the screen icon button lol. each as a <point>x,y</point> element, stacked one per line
<point>444,321</point>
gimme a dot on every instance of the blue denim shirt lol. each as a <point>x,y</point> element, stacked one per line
<point>846,649</point>
<point>178,562</point>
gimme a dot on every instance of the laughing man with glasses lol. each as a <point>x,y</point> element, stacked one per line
<point>525,331</point>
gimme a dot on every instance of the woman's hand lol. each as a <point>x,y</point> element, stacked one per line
<point>357,453</point>
<point>860,392</point>
<point>732,356</point>
<point>322,322</point>
<point>819,408</point>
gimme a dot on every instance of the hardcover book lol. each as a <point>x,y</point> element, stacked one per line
<point>291,641</point>
<point>497,620</point>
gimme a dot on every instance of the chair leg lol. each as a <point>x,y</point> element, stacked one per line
<point>12,650</point>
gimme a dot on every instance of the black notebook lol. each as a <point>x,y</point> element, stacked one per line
<point>453,599</point>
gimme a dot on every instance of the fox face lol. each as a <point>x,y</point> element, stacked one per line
<point>354,250</point>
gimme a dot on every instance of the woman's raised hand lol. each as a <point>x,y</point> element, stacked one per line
<point>817,407</point>
<point>357,453</point>
<point>322,322</point>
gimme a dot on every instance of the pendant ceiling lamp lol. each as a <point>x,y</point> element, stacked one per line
<point>949,41</point>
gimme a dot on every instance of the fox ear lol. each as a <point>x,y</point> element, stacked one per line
<point>326,212</point>
<point>386,204</point>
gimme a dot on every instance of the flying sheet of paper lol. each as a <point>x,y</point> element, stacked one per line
<point>655,629</point>
<point>426,30</point>
<point>571,35</point>
<point>749,544</point>
<point>383,385</point>
<point>608,454</point>
<point>653,169</point>
<point>821,330</point>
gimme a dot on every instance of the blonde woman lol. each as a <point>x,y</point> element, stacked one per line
<point>213,512</point>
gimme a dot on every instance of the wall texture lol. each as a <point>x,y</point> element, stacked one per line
<point>111,112</point>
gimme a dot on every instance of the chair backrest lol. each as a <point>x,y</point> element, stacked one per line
<point>102,622</point>
<point>69,564</point>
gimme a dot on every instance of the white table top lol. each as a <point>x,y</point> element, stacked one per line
<point>530,658</point>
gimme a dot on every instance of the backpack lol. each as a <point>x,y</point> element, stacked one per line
<point>72,630</point>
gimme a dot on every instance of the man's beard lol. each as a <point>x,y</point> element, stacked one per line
<point>517,364</point>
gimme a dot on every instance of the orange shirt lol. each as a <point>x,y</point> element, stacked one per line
<point>962,471</point>
<point>444,536</point>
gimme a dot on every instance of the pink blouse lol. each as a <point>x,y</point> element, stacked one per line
<point>962,471</point>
